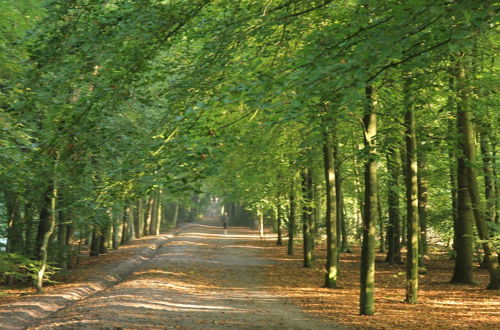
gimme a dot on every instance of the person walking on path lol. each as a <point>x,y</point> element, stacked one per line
<point>225,223</point>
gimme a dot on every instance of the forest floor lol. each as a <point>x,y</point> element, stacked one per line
<point>442,305</point>
<point>197,278</point>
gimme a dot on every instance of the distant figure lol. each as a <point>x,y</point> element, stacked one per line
<point>225,222</point>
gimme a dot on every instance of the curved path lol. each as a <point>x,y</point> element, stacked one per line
<point>198,279</point>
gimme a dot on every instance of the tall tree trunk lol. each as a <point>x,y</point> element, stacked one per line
<point>489,178</point>
<point>261,223</point>
<point>139,226</point>
<point>14,222</point>
<point>95,244</point>
<point>105,234</point>
<point>466,133</point>
<point>314,218</point>
<point>46,237</point>
<point>412,223</point>
<point>279,218</point>
<point>176,215</point>
<point>292,220</point>
<point>404,225</point>
<point>125,230</point>
<point>130,221</point>
<point>149,216</point>
<point>464,235</point>
<point>44,222</point>
<point>306,217</point>
<point>154,214</point>
<point>394,226</point>
<point>342,235</point>
<point>159,213</point>
<point>332,248</point>
<point>423,192</point>
<point>453,161</point>
<point>62,242</point>
<point>381,227</point>
<point>117,228</point>
<point>367,278</point>
<point>29,213</point>
<point>359,208</point>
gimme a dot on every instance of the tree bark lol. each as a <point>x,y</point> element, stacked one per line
<point>176,215</point>
<point>44,222</point>
<point>367,278</point>
<point>464,235</point>
<point>279,219</point>
<point>342,225</point>
<point>14,222</point>
<point>423,192</point>
<point>412,223</point>
<point>306,218</point>
<point>149,216</point>
<point>46,237</point>
<point>95,244</point>
<point>394,226</point>
<point>469,154</point>
<point>332,248</point>
<point>292,220</point>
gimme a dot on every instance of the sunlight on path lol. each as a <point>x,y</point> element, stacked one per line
<point>198,279</point>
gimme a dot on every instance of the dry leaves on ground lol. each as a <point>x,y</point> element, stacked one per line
<point>441,304</point>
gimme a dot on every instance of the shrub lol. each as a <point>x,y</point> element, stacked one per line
<point>16,268</point>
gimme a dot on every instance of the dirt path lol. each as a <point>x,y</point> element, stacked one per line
<point>198,279</point>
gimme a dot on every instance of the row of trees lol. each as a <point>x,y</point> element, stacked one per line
<point>336,114</point>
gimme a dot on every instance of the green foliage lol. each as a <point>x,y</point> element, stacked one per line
<point>15,268</point>
<point>229,98</point>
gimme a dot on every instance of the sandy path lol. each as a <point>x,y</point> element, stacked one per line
<point>199,279</point>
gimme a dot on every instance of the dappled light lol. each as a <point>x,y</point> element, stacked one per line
<point>191,281</point>
<point>201,277</point>
<point>441,304</point>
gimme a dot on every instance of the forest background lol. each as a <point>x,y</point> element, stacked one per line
<point>370,122</point>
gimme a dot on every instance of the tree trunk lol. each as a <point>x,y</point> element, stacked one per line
<point>292,220</point>
<point>95,244</point>
<point>381,227</point>
<point>306,218</point>
<point>413,230</point>
<point>489,177</point>
<point>394,226</point>
<point>130,221</point>
<point>62,242</point>
<point>139,225</point>
<point>423,192</point>
<point>332,248</point>
<point>154,215</point>
<point>176,215</point>
<point>466,134</point>
<point>464,235</point>
<point>159,213</point>
<point>14,222</point>
<point>46,237</point>
<point>261,224</point>
<point>105,235</point>
<point>342,237</point>
<point>29,212</point>
<point>44,222</point>
<point>149,216</point>
<point>279,218</point>
<point>367,278</point>
<point>359,208</point>
<point>117,229</point>
<point>125,230</point>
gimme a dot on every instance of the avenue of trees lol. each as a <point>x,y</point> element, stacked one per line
<point>365,122</point>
